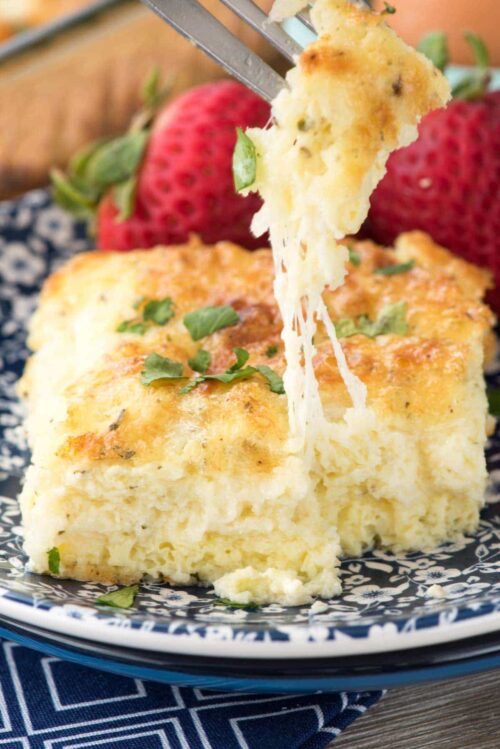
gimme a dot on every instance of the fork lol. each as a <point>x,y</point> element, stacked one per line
<point>195,22</point>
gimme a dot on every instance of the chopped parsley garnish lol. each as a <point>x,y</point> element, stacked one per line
<point>54,558</point>
<point>154,312</point>
<point>479,48</point>
<point>235,372</point>
<point>242,356</point>
<point>346,327</point>
<point>394,270</point>
<point>494,401</point>
<point>391,319</point>
<point>238,371</point>
<point>274,380</point>
<point>389,9</point>
<point>231,376</point>
<point>123,598</point>
<point>159,311</point>
<point>354,257</point>
<point>234,604</point>
<point>200,362</point>
<point>132,326</point>
<point>206,320</point>
<point>244,161</point>
<point>271,351</point>
<point>158,367</point>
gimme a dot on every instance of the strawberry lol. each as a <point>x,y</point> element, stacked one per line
<point>170,175</point>
<point>447,182</point>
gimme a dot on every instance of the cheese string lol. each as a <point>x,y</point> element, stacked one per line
<point>300,313</point>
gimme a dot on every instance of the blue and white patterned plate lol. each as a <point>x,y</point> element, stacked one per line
<point>385,605</point>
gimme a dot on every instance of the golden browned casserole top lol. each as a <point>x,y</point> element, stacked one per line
<point>418,376</point>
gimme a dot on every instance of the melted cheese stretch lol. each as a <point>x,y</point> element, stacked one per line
<point>355,95</point>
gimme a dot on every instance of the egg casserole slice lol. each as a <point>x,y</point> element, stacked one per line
<point>131,479</point>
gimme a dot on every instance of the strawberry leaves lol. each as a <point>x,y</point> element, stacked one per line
<point>434,45</point>
<point>110,164</point>
<point>117,160</point>
<point>475,82</point>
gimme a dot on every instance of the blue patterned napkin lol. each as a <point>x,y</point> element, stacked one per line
<point>46,703</point>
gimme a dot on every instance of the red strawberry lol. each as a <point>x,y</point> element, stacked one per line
<point>184,180</point>
<point>447,183</point>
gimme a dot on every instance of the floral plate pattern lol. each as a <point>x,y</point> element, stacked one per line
<point>385,604</point>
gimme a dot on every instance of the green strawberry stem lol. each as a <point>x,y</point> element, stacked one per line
<point>474,84</point>
<point>110,164</point>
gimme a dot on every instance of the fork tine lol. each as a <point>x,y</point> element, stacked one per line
<point>258,20</point>
<point>206,32</point>
<point>305,18</point>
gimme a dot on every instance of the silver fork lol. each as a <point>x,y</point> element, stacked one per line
<point>194,22</point>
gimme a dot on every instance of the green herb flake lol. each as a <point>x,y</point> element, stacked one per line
<point>200,362</point>
<point>391,319</point>
<point>232,376</point>
<point>395,270</point>
<point>158,367</point>
<point>226,378</point>
<point>304,125</point>
<point>346,327</point>
<point>354,257</point>
<point>274,380</point>
<point>234,604</point>
<point>244,161</point>
<point>54,559</point>
<point>434,46</point>
<point>271,351</point>
<point>208,320</point>
<point>123,598</point>
<point>131,326</point>
<point>389,9</point>
<point>494,401</point>
<point>192,385</point>
<point>154,312</point>
<point>159,311</point>
<point>236,371</point>
<point>242,356</point>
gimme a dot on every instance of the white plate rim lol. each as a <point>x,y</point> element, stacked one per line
<point>383,638</point>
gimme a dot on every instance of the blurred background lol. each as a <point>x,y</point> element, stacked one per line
<point>71,70</point>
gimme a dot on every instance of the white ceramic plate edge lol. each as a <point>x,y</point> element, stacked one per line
<point>383,638</point>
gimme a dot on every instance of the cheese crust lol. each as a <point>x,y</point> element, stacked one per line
<point>128,480</point>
